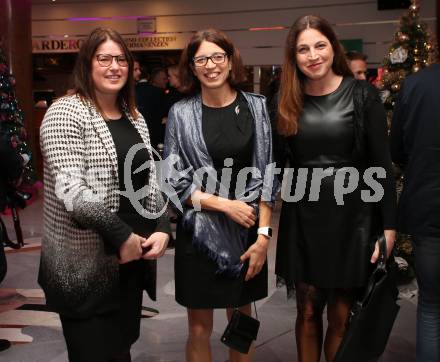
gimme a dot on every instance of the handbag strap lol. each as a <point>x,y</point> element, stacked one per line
<point>382,259</point>
<point>256,314</point>
<point>380,270</point>
<point>255,309</point>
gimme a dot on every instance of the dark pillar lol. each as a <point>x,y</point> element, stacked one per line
<point>16,39</point>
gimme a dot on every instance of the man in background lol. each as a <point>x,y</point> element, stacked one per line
<point>357,62</point>
<point>159,78</point>
<point>152,103</point>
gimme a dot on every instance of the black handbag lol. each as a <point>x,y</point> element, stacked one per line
<point>373,315</point>
<point>240,332</point>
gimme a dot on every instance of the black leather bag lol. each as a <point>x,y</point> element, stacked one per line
<point>373,315</point>
<point>240,332</point>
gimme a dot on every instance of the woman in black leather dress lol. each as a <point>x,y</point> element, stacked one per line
<point>335,128</point>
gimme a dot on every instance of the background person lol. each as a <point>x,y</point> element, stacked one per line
<point>93,239</point>
<point>415,144</point>
<point>218,122</point>
<point>357,62</point>
<point>331,122</point>
<point>176,92</point>
<point>137,71</point>
<point>152,103</point>
<point>10,177</point>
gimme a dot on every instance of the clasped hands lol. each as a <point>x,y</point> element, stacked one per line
<point>244,215</point>
<point>137,247</point>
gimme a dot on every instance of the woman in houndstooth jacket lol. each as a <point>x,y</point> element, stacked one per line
<point>96,245</point>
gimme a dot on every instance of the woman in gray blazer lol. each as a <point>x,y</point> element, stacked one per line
<point>96,244</point>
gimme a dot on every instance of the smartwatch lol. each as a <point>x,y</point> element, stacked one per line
<point>265,230</point>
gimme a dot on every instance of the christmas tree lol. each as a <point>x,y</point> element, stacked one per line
<point>12,121</point>
<point>411,51</point>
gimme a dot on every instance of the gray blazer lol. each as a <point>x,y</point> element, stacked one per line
<point>77,272</point>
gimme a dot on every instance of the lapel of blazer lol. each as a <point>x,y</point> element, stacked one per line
<point>104,134</point>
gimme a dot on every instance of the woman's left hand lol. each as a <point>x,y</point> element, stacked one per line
<point>390,236</point>
<point>156,245</point>
<point>256,254</point>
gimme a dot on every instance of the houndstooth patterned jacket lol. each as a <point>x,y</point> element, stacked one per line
<point>78,274</point>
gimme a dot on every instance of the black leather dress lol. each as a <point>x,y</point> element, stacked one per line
<point>321,242</point>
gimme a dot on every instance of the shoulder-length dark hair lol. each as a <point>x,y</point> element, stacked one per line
<point>82,79</point>
<point>190,83</point>
<point>291,94</point>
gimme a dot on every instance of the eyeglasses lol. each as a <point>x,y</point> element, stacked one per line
<point>216,58</point>
<point>105,60</point>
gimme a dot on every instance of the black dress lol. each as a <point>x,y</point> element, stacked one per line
<point>321,242</point>
<point>228,133</point>
<point>112,333</point>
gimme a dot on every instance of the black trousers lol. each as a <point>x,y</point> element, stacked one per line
<point>108,337</point>
<point>92,340</point>
<point>427,258</point>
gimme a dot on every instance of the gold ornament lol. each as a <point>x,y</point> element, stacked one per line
<point>416,67</point>
<point>416,50</point>
<point>413,10</point>
<point>428,47</point>
<point>395,87</point>
<point>402,74</point>
<point>402,36</point>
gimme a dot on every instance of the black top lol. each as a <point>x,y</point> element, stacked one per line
<point>229,133</point>
<point>125,136</point>
<point>325,139</point>
<point>415,143</point>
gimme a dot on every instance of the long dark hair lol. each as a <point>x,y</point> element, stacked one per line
<point>83,82</point>
<point>190,83</point>
<point>292,79</point>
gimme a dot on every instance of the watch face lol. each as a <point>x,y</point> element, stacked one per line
<point>266,231</point>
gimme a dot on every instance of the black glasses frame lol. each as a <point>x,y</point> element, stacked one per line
<point>211,57</point>
<point>121,63</point>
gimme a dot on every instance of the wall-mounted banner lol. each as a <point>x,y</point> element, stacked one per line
<point>135,42</point>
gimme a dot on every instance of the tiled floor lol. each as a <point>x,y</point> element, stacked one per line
<point>37,335</point>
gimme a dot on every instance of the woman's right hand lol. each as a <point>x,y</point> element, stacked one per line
<point>240,212</point>
<point>131,249</point>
